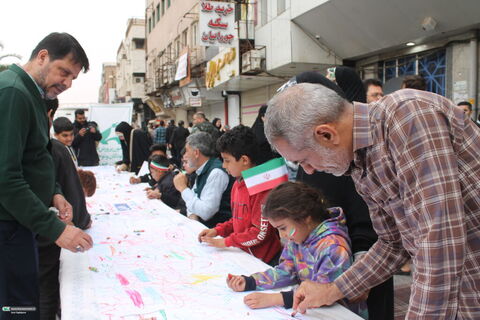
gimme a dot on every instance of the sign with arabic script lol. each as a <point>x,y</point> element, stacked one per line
<point>217,25</point>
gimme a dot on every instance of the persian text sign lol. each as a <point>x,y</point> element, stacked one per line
<point>217,24</point>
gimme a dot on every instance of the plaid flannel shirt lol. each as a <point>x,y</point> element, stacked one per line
<point>417,165</point>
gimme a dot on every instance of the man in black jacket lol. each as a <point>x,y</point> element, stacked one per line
<point>48,252</point>
<point>171,127</point>
<point>177,141</point>
<point>84,143</point>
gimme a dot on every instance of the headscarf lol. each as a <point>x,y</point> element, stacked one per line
<point>258,127</point>
<point>350,82</point>
<point>266,152</point>
<point>125,129</point>
<point>315,77</point>
<point>214,122</point>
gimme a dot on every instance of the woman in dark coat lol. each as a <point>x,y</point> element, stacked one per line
<point>135,146</point>
<point>266,152</point>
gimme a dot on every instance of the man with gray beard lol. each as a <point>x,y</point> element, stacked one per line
<point>414,159</point>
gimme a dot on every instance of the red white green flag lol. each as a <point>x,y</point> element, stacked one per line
<point>265,176</point>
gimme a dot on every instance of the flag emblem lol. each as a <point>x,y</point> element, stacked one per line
<point>265,176</point>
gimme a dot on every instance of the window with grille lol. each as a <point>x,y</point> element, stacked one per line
<point>430,65</point>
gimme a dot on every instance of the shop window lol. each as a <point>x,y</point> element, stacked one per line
<point>433,69</point>
<point>430,65</point>
<point>406,66</point>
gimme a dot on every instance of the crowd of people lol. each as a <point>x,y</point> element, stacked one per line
<point>381,180</point>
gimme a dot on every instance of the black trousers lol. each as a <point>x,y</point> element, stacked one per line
<point>380,301</point>
<point>18,271</point>
<point>49,264</point>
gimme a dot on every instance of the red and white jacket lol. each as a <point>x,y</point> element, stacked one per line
<point>247,229</point>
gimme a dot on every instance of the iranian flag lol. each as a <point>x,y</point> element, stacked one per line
<point>265,176</point>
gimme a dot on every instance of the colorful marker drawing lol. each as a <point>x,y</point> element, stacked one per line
<point>136,298</point>
<point>122,279</point>
<point>163,273</point>
<point>200,278</point>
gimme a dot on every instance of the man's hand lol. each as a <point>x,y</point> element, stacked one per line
<point>313,295</point>
<point>154,194</point>
<point>194,217</point>
<point>207,233</point>
<point>74,239</point>
<point>180,181</point>
<point>121,167</point>
<point>82,131</point>
<point>64,208</point>
<point>135,180</point>
<point>259,300</point>
<point>213,242</point>
<point>236,283</point>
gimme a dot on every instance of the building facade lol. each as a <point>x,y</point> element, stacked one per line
<point>172,40</point>
<point>130,75</point>
<point>108,88</point>
<point>277,39</point>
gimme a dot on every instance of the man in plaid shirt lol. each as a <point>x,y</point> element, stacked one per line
<point>415,159</point>
<point>160,134</point>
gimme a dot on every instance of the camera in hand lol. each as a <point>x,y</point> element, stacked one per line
<point>89,125</point>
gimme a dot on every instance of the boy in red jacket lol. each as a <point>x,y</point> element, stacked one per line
<point>247,229</point>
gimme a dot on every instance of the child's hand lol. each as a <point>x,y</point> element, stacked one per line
<point>154,194</point>
<point>260,300</point>
<point>134,180</point>
<point>236,283</point>
<point>217,243</point>
<point>207,233</point>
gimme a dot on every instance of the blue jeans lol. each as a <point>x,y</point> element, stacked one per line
<point>18,271</point>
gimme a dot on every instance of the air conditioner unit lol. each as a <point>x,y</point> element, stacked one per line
<point>252,61</point>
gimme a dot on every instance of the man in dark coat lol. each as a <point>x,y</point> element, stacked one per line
<point>171,127</point>
<point>86,138</point>
<point>48,252</point>
<point>177,141</point>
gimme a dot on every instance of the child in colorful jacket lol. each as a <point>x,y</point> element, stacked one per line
<point>247,229</point>
<point>318,247</point>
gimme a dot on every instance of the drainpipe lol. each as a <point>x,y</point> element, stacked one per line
<point>473,78</point>
<point>225,109</point>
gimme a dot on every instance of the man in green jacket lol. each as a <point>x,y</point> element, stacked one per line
<point>27,177</point>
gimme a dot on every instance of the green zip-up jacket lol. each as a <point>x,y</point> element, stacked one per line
<point>27,175</point>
